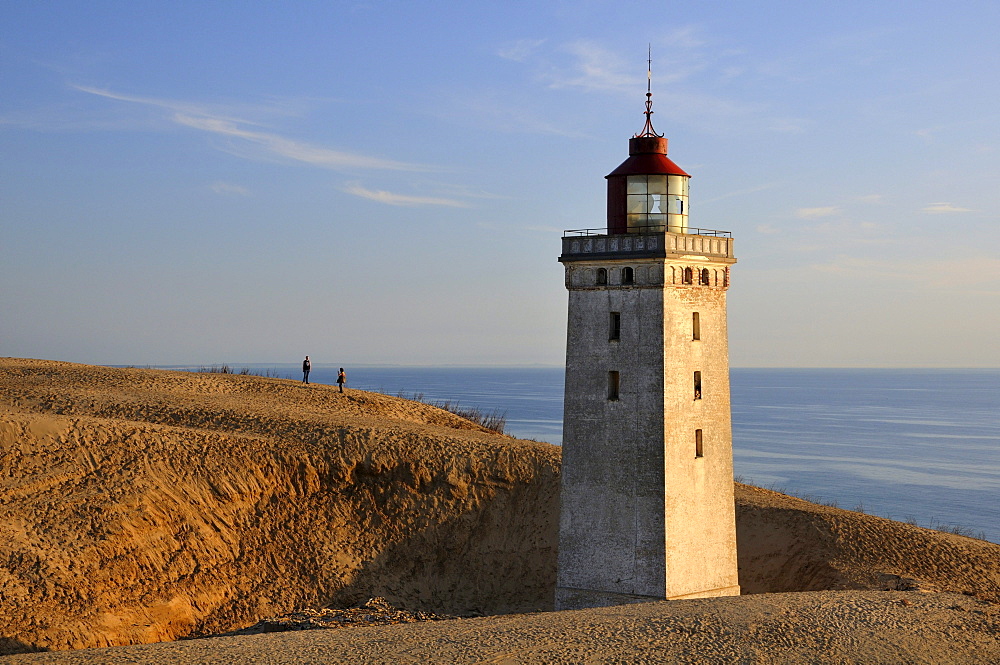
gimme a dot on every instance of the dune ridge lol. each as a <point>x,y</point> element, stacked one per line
<point>139,505</point>
<point>143,505</point>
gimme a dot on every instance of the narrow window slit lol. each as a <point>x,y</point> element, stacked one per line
<point>615,327</point>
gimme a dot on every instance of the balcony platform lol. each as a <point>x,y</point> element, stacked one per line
<point>595,245</point>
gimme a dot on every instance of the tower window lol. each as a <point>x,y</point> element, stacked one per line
<point>695,326</point>
<point>615,328</point>
<point>613,386</point>
<point>698,449</point>
<point>688,276</point>
<point>628,276</point>
<point>697,385</point>
<point>704,277</point>
<point>602,276</point>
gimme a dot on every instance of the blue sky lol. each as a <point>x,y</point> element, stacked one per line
<point>387,182</point>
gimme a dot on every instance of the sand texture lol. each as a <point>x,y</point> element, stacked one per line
<point>140,505</point>
<point>811,627</point>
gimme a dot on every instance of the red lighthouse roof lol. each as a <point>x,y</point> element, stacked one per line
<point>649,168</point>
<point>647,156</point>
<point>648,150</point>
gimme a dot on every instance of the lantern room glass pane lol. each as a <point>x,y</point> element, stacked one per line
<point>678,184</point>
<point>656,184</point>
<point>656,203</point>
<point>635,203</point>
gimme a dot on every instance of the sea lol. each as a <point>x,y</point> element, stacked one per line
<point>918,445</point>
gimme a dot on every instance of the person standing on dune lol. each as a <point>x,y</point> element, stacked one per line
<point>341,379</point>
<point>306,366</point>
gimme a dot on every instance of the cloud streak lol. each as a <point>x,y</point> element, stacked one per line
<point>229,189</point>
<point>403,200</point>
<point>743,192</point>
<point>596,69</point>
<point>816,213</point>
<point>520,50</point>
<point>681,58</point>
<point>944,208</point>
<point>194,116</point>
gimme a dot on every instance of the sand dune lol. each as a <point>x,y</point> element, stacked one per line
<point>142,505</point>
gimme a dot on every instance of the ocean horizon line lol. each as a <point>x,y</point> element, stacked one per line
<point>284,364</point>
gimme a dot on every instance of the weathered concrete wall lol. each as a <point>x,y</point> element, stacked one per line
<point>700,518</point>
<point>612,491</point>
<point>641,515</point>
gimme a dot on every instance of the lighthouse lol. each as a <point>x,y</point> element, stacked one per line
<point>646,509</point>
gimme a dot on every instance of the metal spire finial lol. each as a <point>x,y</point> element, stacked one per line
<point>647,130</point>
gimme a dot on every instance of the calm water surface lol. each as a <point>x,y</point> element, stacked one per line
<point>919,445</point>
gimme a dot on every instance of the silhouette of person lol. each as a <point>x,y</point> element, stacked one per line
<point>306,366</point>
<point>341,379</point>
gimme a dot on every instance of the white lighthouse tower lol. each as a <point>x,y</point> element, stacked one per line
<point>647,509</point>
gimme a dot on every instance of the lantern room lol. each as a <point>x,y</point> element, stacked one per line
<point>647,193</point>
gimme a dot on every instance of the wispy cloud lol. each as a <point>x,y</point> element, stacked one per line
<point>943,208</point>
<point>742,192</point>
<point>229,189</point>
<point>595,69</point>
<point>683,37</point>
<point>816,213</point>
<point>452,190</point>
<point>519,50</point>
<point>405,200</point>
<point>202,118</point>
<point>682,62</point>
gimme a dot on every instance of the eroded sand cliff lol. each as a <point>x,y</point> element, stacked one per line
<point>143,505</point>
<point>140,505</point>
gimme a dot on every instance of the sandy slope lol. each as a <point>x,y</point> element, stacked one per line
<point>138,505</point>
<point>142,505</point>
<point>810,627</point>
<point>787,544</point>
